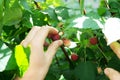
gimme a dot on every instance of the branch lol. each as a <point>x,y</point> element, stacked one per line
<point>106,4</point>
<point>83,11</point>
<point>37,5</point>
<point>67,57</point>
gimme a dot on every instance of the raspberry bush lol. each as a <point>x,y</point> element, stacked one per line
<point>77,22</point>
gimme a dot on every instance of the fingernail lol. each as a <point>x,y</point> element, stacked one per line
<point>60,42</point>
<point>107,71</point>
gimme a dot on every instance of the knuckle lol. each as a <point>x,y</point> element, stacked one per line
<point>55,44</point>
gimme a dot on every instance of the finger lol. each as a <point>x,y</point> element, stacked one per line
<point>112,74</point>
<point>39,39</point>
<point>115,46</point>
<point>52,49</point>
<point>30,36</point>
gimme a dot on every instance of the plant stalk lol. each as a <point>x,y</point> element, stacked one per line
<point>67,57</point>
<point>103,53</point>
<point>82,11</point>
<point>37,5</point>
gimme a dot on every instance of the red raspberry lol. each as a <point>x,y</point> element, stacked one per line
<point>55,37</point>
<point>74,57</point>
<point>93,40</point>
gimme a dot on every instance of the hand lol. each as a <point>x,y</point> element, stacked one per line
<point>39,59</point>
<point>111,73</point>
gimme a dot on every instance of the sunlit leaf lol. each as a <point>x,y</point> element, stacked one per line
<point>21,59</point>
<point>54,2</point>
<point>40,0</point>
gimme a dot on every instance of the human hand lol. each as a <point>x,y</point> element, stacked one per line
<point>39,59</point>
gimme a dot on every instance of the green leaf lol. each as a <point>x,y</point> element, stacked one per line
<point>54,2</point>
<point>1,8</point>
<point>5,54</point>
<point>89,23</point>
<point>1,14</point>
<point>114,4</point>
<point>101,11</point>
<point>114,63</point>
<point>6,3</point>
<point>12,15</point>
<point>21,59</point>
<point>53,73</point>
<point>51,13</point>
<point>7,75</point>
<point>1,26</point>
<point>69,75</point>
<point>93,15</point>
<point>39,0</point>
<point>39,18</point>
<point>90,54</point>
<point>11,65</point>
<point>25,5</point>
<point>62,12</point>
<point>86,71</point>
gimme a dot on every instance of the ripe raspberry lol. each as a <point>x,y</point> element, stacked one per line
<point>55,37</point>
<point>66,42</point>
<point>74,57</point>
<point>93,40</point>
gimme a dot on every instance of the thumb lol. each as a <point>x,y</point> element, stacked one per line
<point>53,48</point>
<point>115,46</point>
<point>112,74</point>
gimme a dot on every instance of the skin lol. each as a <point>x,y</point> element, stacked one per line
<point>111,73</point>
<point>39,59</point>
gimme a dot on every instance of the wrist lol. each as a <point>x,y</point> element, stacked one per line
<point>35,73</point>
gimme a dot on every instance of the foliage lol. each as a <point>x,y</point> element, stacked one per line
<point>18,16</point>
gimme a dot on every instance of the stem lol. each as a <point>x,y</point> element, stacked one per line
<point>102,53</point>
<point>66,55</point>
<point>14,77</point>
<point>37,5</point>
<point>82,11</point>
<point>106,3</point>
